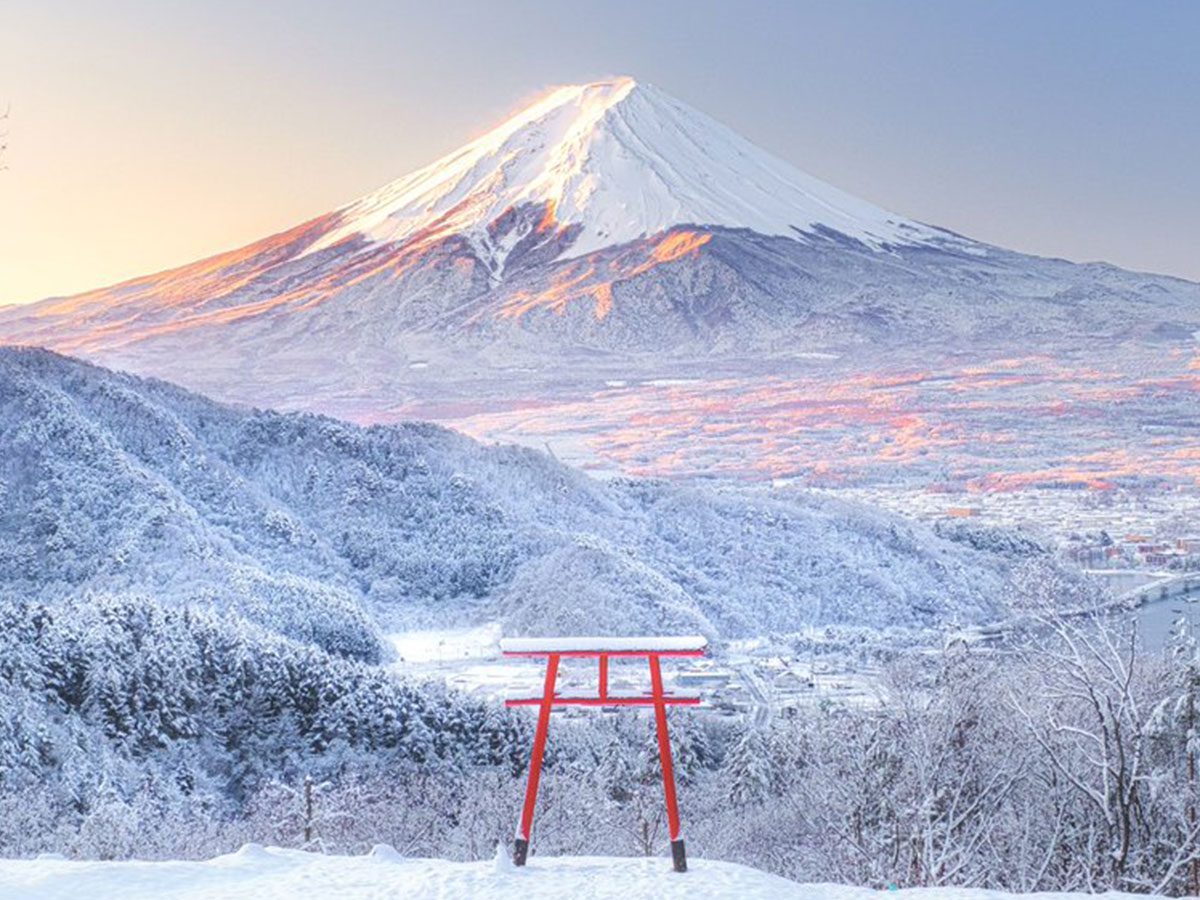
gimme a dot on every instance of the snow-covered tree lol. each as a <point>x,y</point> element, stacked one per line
<point>748,769</point>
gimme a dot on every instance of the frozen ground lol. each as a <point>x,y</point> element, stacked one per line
<point>258,873</point>
<point>434,646</point>
<point>1024,437</point>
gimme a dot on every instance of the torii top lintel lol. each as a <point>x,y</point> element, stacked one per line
<point>685,645</point>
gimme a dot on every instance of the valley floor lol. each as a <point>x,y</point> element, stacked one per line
<point>275,874</point>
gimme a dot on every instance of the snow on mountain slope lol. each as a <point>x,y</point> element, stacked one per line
<point>605,219</point>
<point>588,168</point>
<point>258,873</point>
<point>618,161</point>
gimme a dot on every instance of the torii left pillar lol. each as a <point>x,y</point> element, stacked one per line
<point>652,648</point>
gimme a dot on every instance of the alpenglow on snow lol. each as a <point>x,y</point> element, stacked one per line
<point>604,220</point>
<point>527,217</point>
<point>620,161</point>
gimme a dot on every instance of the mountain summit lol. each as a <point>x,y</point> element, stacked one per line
<point>611,162</point>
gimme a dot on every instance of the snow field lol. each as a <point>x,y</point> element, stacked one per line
<point>258,873</point>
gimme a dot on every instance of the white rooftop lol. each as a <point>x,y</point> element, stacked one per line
<point>651,643</point>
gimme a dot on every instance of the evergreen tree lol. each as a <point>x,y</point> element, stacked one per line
<point>747,769</point>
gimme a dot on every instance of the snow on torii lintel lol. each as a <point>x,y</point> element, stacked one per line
<point>690,644</point>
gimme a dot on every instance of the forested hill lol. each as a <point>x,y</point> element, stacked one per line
<point>325,532</point>
<point>122,702</point>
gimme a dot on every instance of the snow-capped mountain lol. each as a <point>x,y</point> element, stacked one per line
<point>605,221</point>
<point>524,218</point>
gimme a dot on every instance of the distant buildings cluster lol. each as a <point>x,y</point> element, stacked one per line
<point>1137,550</point>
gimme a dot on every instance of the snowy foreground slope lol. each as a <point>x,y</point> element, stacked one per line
<point>275,874</point>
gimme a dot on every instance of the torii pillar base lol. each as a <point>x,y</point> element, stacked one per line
<point>521,852</point>
<point>679,855</point>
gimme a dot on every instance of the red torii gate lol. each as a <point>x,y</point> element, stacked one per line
<point>602,648</point>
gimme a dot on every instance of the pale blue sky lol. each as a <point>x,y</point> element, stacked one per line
<point>145,135</point>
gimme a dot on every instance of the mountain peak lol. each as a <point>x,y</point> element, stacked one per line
<point>614,88</point>
<point>584,101</point>
<point>614,160</point>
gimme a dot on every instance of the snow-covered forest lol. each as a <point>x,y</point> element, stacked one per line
<point>192,604</point>
<point>1067,762</point>
<point>324,532</point>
